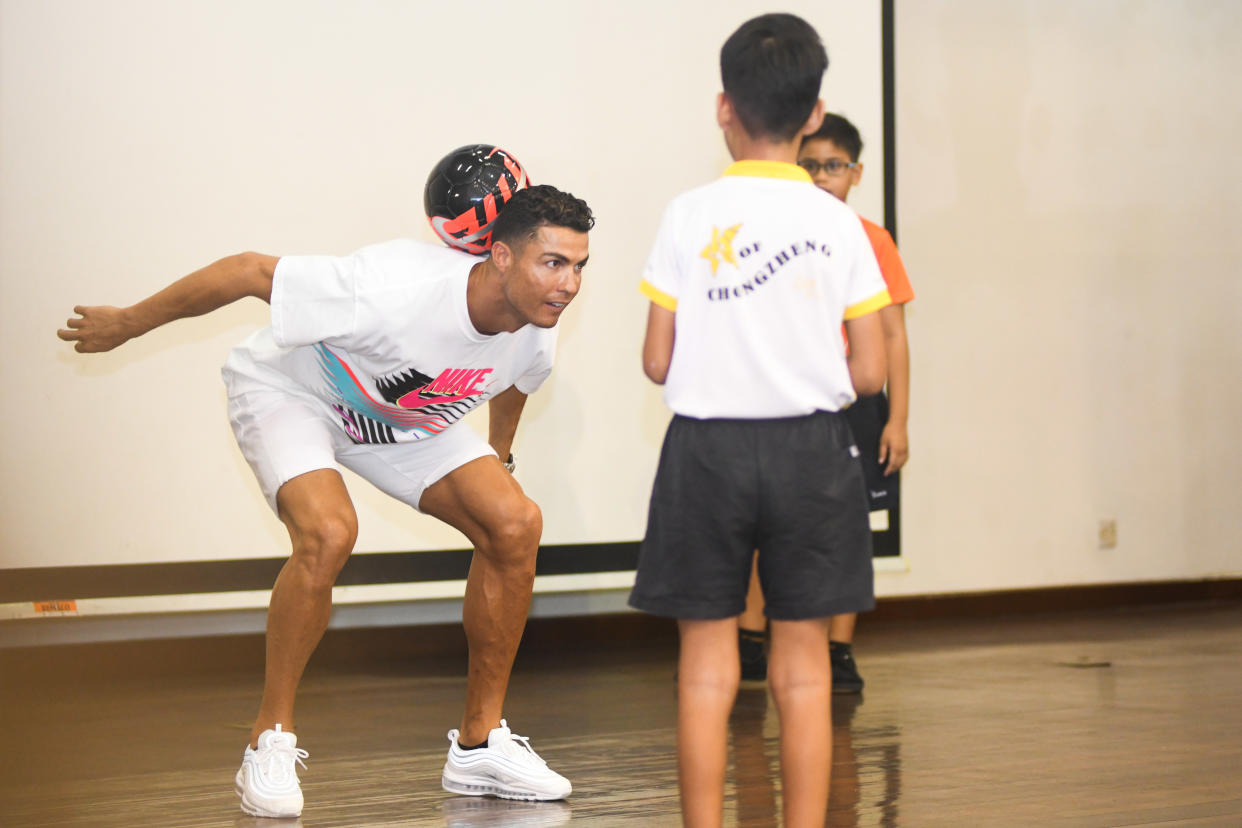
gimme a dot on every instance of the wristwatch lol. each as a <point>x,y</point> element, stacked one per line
<point>509,464</point>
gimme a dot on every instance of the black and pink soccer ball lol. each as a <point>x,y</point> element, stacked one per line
<point>467,190</point>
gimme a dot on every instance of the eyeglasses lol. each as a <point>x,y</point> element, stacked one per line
<point>833,166</point>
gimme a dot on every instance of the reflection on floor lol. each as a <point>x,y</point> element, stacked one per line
<point>1086,719</point>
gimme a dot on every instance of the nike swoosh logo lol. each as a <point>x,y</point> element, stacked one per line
<point>412,400</point>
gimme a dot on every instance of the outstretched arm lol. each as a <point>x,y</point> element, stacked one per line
<point>503,412</point>
<point>102,327</point>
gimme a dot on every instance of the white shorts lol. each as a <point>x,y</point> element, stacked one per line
<point>283,434</point>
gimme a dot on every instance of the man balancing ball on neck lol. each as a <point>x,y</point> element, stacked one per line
<point>371,360</point>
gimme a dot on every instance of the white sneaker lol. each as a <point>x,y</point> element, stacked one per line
<point>267,782</point>
<point>508,768</point>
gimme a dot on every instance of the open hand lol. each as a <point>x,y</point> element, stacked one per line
<point>95,329</point>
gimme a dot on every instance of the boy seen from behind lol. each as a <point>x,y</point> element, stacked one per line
<point>750,279</point>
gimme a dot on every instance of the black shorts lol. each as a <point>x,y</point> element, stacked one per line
<point>867,418</point>
<point>790,488</point>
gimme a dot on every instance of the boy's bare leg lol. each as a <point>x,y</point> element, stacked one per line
<point>753,618</point>
<point>800,675</point>
<point>317,511</point>
<point>708,673</point>
<point>487,505</point>
<point>841,628</point>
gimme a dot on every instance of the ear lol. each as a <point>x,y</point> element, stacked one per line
<point>856,175</point>
<point>815,121</point>
<point>726,115</point>
<point>502,256</point>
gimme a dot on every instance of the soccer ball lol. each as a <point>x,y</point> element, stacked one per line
<point>466,191</point>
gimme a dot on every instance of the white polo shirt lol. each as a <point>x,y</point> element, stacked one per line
<point>761,268</point>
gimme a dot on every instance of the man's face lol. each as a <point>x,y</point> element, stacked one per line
<point>545,274</point>
<point>822,154</point>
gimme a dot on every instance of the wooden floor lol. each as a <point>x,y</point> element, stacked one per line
<point>1117,718</point>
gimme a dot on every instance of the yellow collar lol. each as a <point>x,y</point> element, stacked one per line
<point>768,169</point>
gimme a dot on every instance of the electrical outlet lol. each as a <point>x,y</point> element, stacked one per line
<point>1108,534</point>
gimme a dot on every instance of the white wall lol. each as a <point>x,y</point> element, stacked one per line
<point>143,138</point>
<point>1069,195</point>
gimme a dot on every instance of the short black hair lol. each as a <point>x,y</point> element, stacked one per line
<point>772,68</point>
<point>838,130</point>
<point>533,207</point>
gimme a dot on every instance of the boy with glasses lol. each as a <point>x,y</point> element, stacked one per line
<point>830,156</point>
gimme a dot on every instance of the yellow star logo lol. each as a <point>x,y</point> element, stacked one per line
<point>720,248</point>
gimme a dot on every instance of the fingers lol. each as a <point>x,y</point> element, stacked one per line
<point>75,337</point>
<point>894,450</point>
<point>74,328</point>
<point>896,460</point>
<point>70,332</point>
<point>81,327</point>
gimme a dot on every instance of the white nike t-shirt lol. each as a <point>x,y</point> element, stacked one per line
<point>384,339</point>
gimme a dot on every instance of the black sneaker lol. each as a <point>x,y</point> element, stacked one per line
<point>845,678</point>
<point>754,659</point>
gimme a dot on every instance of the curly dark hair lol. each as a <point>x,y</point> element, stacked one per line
<point>533,207</point>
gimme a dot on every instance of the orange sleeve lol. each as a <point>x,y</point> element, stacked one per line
<point>891,267</point>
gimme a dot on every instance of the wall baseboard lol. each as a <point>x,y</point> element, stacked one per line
<point>437,645</point>
<point>1054,599</point>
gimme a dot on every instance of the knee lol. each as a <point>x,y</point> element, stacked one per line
<point>322,547</point>
<point>513,539</point>
<point>716,682</point>
<point>785,679</point>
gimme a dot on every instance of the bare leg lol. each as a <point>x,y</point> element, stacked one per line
<point>316,510</point>
<point>800,676</point>
<point>487,505</point>
<point>708,673</point>
<point>841,628</point>
<point>753,617</point>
